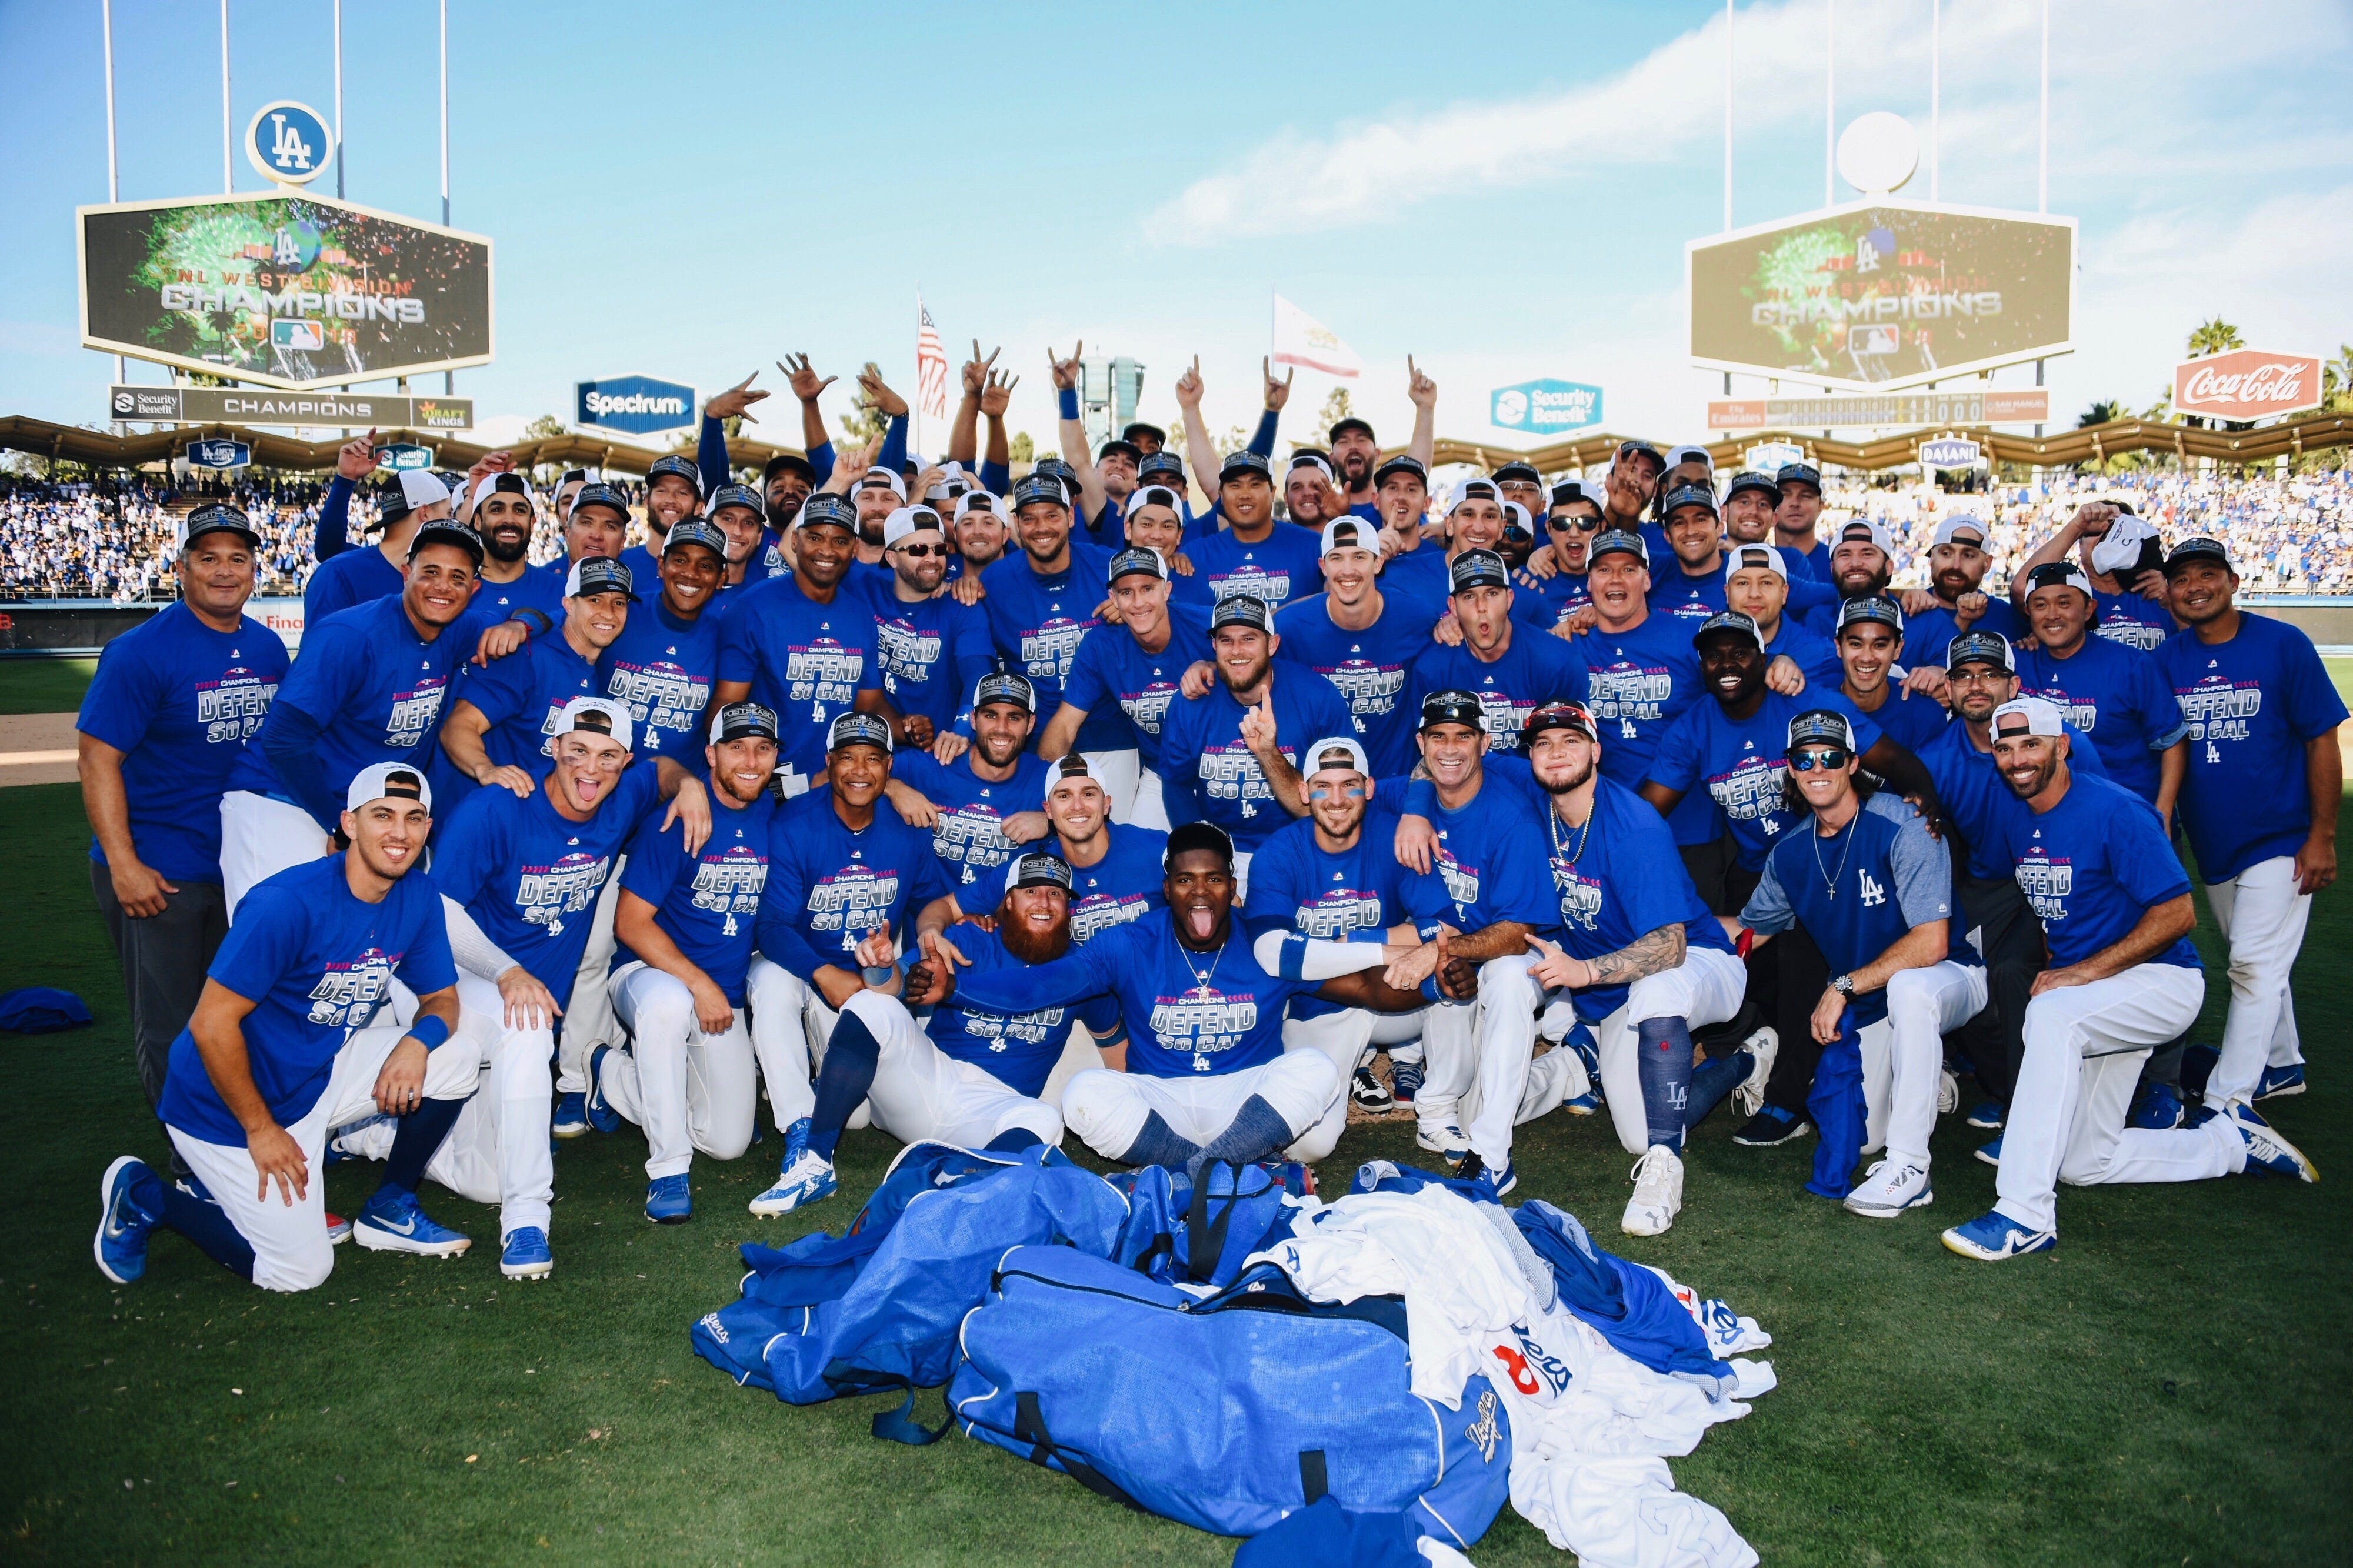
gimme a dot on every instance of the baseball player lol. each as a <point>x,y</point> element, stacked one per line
<point>1115,865</point>
<point>966,1075</point>
<point>1874,891</point>
<point>502,731</point>
<point>684,932</point>
<point>2259,802</point>
<point>842,875</point>
<point>1801,485</point>
<point>1869,642</point>
<point>2115,909</point>
<point>1757,585</point>
<point>1205,1076</point>
<point>2125,559</point>
<point>933,647</point>
<point>1361,640</point>
<point>673,494</point>
<point>1331,876</point>
<point>1751,509</point>
<point>1551,586</point>
<point>282,1045</point>
<point>1692,589</point>
<point>1512,671</point>
<point>1477,516</point>
<point>367,690</point>
<point>1131,671</point>
<point>1254,555</point>
<point>1863,562</point>
<point>2115,694</point>
<point>984,802</point>
<point>414,498</point>
<point>1401,495</point>
<point>664,664</point>
<point>1955,601</point>
<point>159,733</point>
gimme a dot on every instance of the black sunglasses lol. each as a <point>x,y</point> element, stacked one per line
<point>920,551</point>
<point>1582,524</point>
<point>1831,758</point>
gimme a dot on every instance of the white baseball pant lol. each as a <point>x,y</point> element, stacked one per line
<point>1342,1038</point>
<point>588,1020</point>
<point>2085,1046</point>
<point>1151,807</point>
<point>1903,1055</point>
<point>1478,1066</point>
<point>1107,1109</point>
<point>1704,988</point>
<point>921,1092</point>
<point>259,839</point>
<point>790,1025</point>
<point>498,1152</point>
<point>688,1089</point>
<point>290,1249</point>
<point>1118,772</point>
<point>2264,915</point>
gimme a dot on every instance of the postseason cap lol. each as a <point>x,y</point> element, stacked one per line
<point>414,488</point>
<point>447,531</point>
<point>879,478</point>
<point>981,500</point>
<point>1334,752</point>
<point>1155,495</point>
<point>855,729</point>
<point>1868,530</point>
<point>216,517</point>
<point>1195,835</point>
<point>603,495</point>
<point>594,716</point>
<point>738,495</point>
<point>1677,458</point>
<point>1242,460</point>
<point>1561,715</point>
<point>1750,557</point>
<point>696,530</point>
<point>1694,494</point>
<point>1981,647</point>
<point>1871,607</point>
<point>1040,488</point>
<point>1037,869</point>
<point>1470,490</point>
<point>905,523</point>
<point>599,575</point>
<point>1476,569</point>
<point>2029,716</point>
<point>1401,464</point>
<point>1137,560</point>
<point>1242,610</point>
<point>2122,547</point>
<point>827,510</point>
<point>1350,533</point>
<point>388,780</point>
<point>2199,549</point>
<point>1822,726</point>
<point>1950,531</point>
<point>1060,470</point>
<point>742,722</point>
<point>1160,463</point>
<point>1750,479</point>
<point>1451,708</point>
<point>506,484</point>
<point>674,464</point>
<point>1005,685</point>
<point>1617,542</point>
<point>1072,766</point>
<point>1799,474</point>
<point>1731,621</point>
<point>1517,472</point>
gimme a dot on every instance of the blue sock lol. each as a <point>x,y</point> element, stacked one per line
<point>1713,1079</point>
<point>1157,1143</point>
<point>205,1223</point>
<point>1256,1131</point>
<point>1012,1141</point>
<point>415,1143</point>
<point>1665,1058</point>
<point>851,1058</point>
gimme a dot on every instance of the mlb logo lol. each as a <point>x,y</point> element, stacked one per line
<point>298,335</point>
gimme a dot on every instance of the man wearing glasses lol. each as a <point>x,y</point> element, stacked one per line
<point>1549,599</point>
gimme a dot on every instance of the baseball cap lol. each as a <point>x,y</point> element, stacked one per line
<point>1040,487</point>
<point>447,531</point>
<point>602,495</point>
<point>1242,610</point>
<point>743,720</point>
<point>1332,751</point>
<point>1140,428</point>
<point>696,530</point>
<point>879,478</point>
<point>2029,716</point>
<point>1618,541</point>
<point>1313,457</point>
<point>1519,472</point>
<point>1798,473</point>
<point>1981,647</point>
<point>1194,836</point>
<point>1072,766</point>
<point>413,489</point>
<point>1868,530</point>
<point>599,575</point>
<point>2060,574</point>
<point>1475,569</point>
<point>2120,548</point>
<point>784,460</point>
<point>1005,686</point>
<point>1821,725</point>
<point>1350,533</point>
<point>1037,869</point>
<point>509,484</point>
<point>737,495</point>
<point>1640,450</point>
<point>1452,707</point>
<point>1350,423</point>
<point>1682,495</point>
<point>1952,527</point>
<point>1871,607</point>
<point>1158,463</point>
<point>1517,524</point>
<point>1244,460</point>
<point>1057,468</point>
<point>1750,479</point>
<point>216,517</point>
<point>1571,493</point>
<point>1155,495</point>
<point>906,522</point>
<point>854,729</point>
<point>1401,464</point>
<point>1470,490</point>
<point>1136,559</point>
<point>1560,715</point>
<point>674,464</point>
<point>981,500</point>
<point>388,780</point>
<point>1687,452</point>
<point>1121,444</point>
<point>2199,549</point>
<point>1731,621</point>
<point>1745,557</point>
<point>594,716</point>
<point>829,510</point>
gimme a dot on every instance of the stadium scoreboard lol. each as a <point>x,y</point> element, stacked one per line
<point>252,405</point>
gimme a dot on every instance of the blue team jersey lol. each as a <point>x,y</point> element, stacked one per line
<point>178,699</point>
<point>707,902</point>
<point>1488,866</point>
<point>1742,761</point>
<point>1816,660</point>
<point>2132,621</point>
<point>1534,668</point>
<point>933,650</point>
<point>1814,560</point>
<point>1641,680</point>
<point>1017,1050</point>
<point>1927,634</point>
<point>968,837</point>
<point>316,962</point>
<point>1686,599</point>
<point>830,885</point>
<point>1188,1014</point>
<point>1615,880</point>
<point>1422,575</point>
<point>1037,622</point>
<point>357,576</point>
<point>1859,890</point>
<point>1913,720</point>
<point>1122,885</point>
<point>2252,703</point>
<point>523,694</point>
<point>1545,602</point>
<point>1813,605</point>
<point>1297,886</point>
<point>373,686</point>
<point>1368,669</point>
<point>1977,799</point>
<point>1113,677</point>
<point>530,877</point>
<point>1286,564</point>
<point>2091,867</point>
<point>539,588</point>
<point>1225,784</point>
<point>662,669</point>
<point>2115,696</point>
<point>807,662</point>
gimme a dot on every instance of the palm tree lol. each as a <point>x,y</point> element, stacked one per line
<point>2213,337</point>
<point>2100,413</point>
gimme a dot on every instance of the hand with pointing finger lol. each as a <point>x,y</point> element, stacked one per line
<point>1189,386</point>
<point>1555,969</point>
<point>1419,388</point>
<point>356,461</point>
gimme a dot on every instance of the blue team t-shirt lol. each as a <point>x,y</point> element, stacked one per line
<point>178,700</point>
<point>1368,669</point>
<point>522,695</point>
<point>1812,652</point>
<point>1298,885</point>
<point>1225,784</point>
<point>1122,885</point>
<point>968,837</point>
<point>662,669</point>
<point>1534,668</point>
<point>357,576</point>
<point>2117,696</point>
<point>2132,621</point>
<point>1488,865</point>
<point>1927,634</point>
<point>1617,880</point>
<point>1037,622</point>
<point>1545,602</point>
<point>1686,599</point>
<point>1114,676</point>
<point>805,660</point>
<point>933,650</point>
<point>708,903</point>
<point>1742,761</point>
<point>1287,565</point>
<point>1977,799</point>
<point>1641,680</point>
<point>1017,1050</point>
<point>1914,720</point>
<point>2091,867</point>
<point>831,885</point>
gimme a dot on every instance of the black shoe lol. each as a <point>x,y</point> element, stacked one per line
<point>1770,1127</point>
<point>1369,1091</point>
<point>1471,1169</point>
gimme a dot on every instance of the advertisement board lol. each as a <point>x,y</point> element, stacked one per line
<point>1883,293</point>
<point>2247,384</point>
<point>250,406</point>
<point>287,290</point>
<point>1951,452</point>
<point>1543,407</point>
<point>219,453</point>
<point>633,405</point>
<point>2030,408</point>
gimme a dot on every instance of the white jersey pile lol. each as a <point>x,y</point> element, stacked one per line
<point>1591,1428</point>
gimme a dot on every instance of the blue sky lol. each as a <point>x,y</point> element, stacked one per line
<point>689,191</point>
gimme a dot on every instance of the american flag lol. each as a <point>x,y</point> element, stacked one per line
<point>931,365</point>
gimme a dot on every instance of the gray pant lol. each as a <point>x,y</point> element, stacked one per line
<point>163,960</point>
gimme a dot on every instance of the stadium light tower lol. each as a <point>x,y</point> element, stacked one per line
<point>229,177</point>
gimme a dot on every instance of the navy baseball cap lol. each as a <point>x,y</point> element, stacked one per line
<point>1350,423</point>
<point>1981,647</point>
<point>696,530</point>
<point>1159,463</point>
<point>1140,428</point>
<point>674,464</point>
<point>1058,470</point>
<point>1523,472</point>
<point>447,531</point>
<point>216,517</point>
<point>1136,561</point>
<point>1037,869</point>
<point>1452,708</point>
<point>1134,453</point>
<point>742,722</point>
<point>858,730</point>
<point>1005,685</point>
<point>788,461</point>
<point>1731,621</point>
<point>1765,485</point>
<point>1687,495</point>
<point>738,495</point>
<point>599,574</point>
<point>1798,473</point>
<point>1617,542</point>
<point>1040,487</point>
<point>1195,835</point>
<point>1242,610</point>
<point>1402,463</point>
<point>1641,450</point>
<point>827,510</point>
<point>1244,460</point>
<point>1871,607</point>
<point>606,495</point>
<point>1477,568</point>
<point>2199,549</point>
<point>1822,726</point>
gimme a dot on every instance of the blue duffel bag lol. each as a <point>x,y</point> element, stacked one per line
<point>1228,1412</point>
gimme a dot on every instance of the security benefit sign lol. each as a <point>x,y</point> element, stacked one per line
<point>634,405</point>
<point>1883,293</point>
<point>286,290</point>
<point>1545,406</point>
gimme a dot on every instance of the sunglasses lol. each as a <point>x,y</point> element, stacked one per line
<point>1830,759</point>
<point>1582,524</point>
<point>919,552</point>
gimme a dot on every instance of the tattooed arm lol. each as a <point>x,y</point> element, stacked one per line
<point>1653,953</point>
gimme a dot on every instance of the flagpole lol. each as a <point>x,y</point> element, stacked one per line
<point>919,373</point>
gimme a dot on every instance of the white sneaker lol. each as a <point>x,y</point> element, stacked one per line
<point>1887,1189</point>
<point>1657,1197</point>
<point>809,1178</point>
<point>1764,1045</point>
<point>1949,1092</point>
<point>1442,1138</point>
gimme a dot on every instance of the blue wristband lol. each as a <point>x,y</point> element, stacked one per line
<point>1069,397</point>
<point>429,1030</point>
<point>1430,990</point>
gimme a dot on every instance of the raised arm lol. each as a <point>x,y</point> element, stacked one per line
<point>1424,392</point>
<point>332,534</point>
<point>711,444</point>
<point>963,435</point>
<point>806,387</point>
<point>1201,457</point>
<point>1065,372</point>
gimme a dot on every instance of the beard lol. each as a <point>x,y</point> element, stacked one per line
<point>1574,781</point>
<point>1951,585</point>
<point>1033,946</point>
<point>506,546</point>
<point>2038,783</point>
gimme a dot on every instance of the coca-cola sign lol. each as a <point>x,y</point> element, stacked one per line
<point>2247,384</point>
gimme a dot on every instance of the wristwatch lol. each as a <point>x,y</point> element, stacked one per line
<point>1843,984</point>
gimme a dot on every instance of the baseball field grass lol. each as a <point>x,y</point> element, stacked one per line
<point>2168,1388</point>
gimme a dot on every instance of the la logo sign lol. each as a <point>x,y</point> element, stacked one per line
<point>290,142</point>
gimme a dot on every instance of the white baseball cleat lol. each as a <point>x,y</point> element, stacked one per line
<point>1763,1047</point>
<point>1949,1092</point>
<point>1443,1138</point>
<point>809,1178</point>
<point>1889,1188</point>
<point>1658,1179</point>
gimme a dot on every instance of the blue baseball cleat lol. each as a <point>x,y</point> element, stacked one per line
<point>1993,1236</point>
<point>571,1117</point>
<point>1405,1082</point>
<point>121,1243</point>
<point>1986,1115</point>
<point>2159,1110</point>
<point>2268,1153</point>
<point>2277,1083</point>
<point>392,1222</point>
<point>526,1255</point>
<point>1492,1184</point>
<point>807,1178</point>
<point>596,1107</point>
<point>667,1201</point>
<point>1990,1152</point>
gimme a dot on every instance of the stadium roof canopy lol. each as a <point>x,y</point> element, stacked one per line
<point>276,449</point>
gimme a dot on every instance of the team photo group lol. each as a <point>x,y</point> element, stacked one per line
<point>1179,802</point>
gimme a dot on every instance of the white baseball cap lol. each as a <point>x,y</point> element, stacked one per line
<point>507,483</point>
<point>1880,537</point>
<point>1953,526</point>
<point>880,476</point>
<point>1682,455</point>
<point>1163,496</point>
<point>908,521</point>
<point>1314,760</point>
<point>981,500</point>
<point>1351,533</point>
<point>388,780</point>
<point>1474,489</point>
<point>1742,557</point>
<point>594,716</point>
<point>2119,548</point>
<point>1073,768</point>
<point>2029,716</point>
